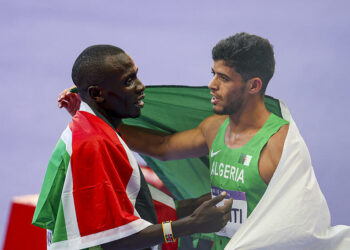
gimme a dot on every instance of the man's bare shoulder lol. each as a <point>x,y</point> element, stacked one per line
<point>277,140</point>
<point>210,127</point>
<point>271,154</point>
<point>274,146</point>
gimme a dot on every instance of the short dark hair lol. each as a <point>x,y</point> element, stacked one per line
<point>250,55</point>
<point>88,68</point>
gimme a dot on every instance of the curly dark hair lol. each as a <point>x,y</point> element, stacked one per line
<point>88,68</point>
<point>250,55</point>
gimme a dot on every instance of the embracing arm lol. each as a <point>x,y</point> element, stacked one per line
<point>186,144</point>
<point>206,218</point>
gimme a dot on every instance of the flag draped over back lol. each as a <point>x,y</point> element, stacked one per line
<point>93,191</point>
<point>293,213</point>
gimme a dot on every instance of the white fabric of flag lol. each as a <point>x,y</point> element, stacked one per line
<point>293,213</point>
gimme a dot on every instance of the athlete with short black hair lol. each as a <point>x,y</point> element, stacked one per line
<point>243,139</point>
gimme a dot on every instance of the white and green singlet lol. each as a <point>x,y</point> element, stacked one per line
<point>236,172</point>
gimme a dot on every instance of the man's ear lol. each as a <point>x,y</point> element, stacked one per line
<point>255,85</point>
<point>95,94</point>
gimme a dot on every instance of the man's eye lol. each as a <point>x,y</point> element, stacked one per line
<point>224,79</point>
<point>129,81</point>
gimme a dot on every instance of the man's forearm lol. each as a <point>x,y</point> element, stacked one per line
<point>204,219</point>
<point>185,144</point>
<point>145,141</point>
<point>147,237</point>
<point>153,235</point>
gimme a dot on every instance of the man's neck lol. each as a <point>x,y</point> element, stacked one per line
<point>251,117</point>
<point>101,113</point>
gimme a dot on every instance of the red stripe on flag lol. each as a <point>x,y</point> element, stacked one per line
<point>101,172</point>
<point>166,213</point>
<point>154,180</point>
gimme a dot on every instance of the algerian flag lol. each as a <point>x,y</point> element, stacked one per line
<point>245,159</point>
<point>177,108</point>
<point>292,214</point>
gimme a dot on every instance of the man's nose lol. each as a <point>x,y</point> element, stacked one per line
<point>140,87</point>
<point>213,84</point>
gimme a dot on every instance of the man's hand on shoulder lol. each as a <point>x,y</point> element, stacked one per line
<point>69,100</point>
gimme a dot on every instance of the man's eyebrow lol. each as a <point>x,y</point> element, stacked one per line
<point>134,72</point>
<point>130,74</point>
<point>220,74</point>
<point>223,75</point>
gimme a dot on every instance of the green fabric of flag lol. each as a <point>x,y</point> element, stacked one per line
<point>177,108</point>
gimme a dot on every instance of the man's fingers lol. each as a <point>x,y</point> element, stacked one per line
<point>227,217</point>
<point>228,202</point>
<point>62,94</point>
<point>62,104</point>
<point>228,205</point>
<point>217,199</point>
<point>66,92</point>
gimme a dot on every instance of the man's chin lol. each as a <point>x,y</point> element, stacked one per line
<point>130,115</point>
<point>218,111</point>
<point>135,114</point>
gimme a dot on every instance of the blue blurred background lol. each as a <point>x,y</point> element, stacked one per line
<point>171,43</point>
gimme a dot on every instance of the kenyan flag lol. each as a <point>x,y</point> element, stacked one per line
<point>93,191</point>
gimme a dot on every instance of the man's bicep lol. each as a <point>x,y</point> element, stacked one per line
<point>277,144</point>
<point>187,144</point>
<point>194,142</point>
